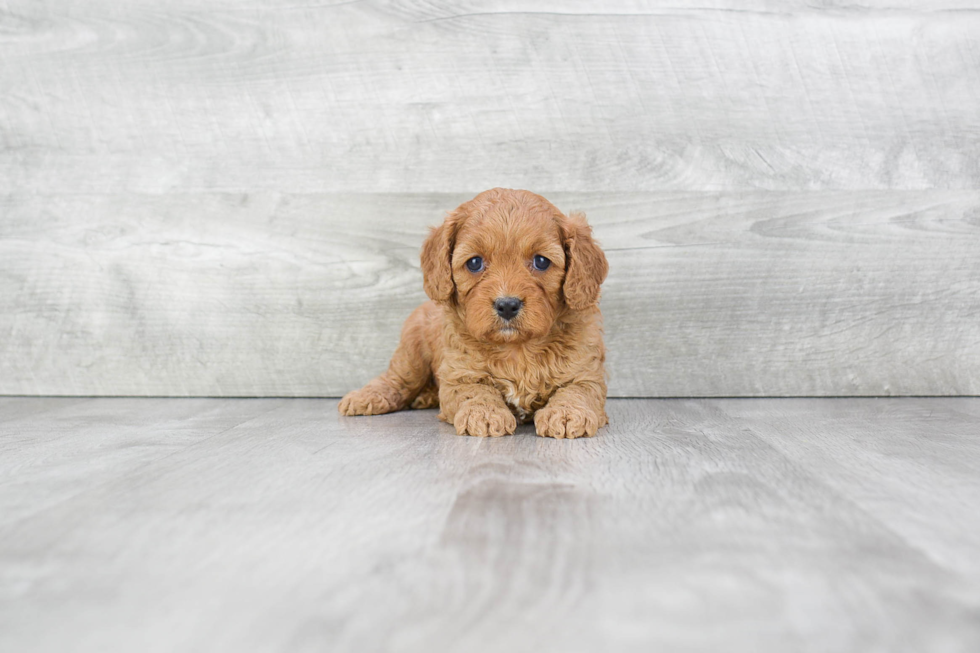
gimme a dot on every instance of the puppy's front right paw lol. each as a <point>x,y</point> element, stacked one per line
<point>564,421</point>
<point>370,400</point>
<point>481,420</point>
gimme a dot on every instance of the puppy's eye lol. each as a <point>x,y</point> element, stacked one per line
<point>541,263</point>
<point>475,264</point>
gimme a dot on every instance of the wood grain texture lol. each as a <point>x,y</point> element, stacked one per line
<point>412,96</point>
<point>709,294</point>
<point>227,198</point>
<point>698,525</point>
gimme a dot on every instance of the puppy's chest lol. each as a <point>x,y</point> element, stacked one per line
<point>525,390</point>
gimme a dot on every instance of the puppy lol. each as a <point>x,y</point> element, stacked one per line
<point>513,331</point>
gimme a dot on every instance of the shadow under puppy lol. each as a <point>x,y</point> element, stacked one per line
<point>513,330</point>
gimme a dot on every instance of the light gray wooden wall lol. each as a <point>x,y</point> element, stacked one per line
<point>227,197</point>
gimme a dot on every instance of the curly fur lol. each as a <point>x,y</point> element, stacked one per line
<point>485,374</point>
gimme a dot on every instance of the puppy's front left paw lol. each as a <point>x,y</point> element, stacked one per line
<point>370,400</point>
<point>481,420</point>
<point>565,421</point>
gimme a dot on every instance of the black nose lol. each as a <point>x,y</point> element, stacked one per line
<point>508,307</point>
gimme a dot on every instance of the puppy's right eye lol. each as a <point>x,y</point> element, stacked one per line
<point>475,264</point>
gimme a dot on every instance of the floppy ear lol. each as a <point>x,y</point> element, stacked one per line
<point>437,252</point>
<point>585,264</point>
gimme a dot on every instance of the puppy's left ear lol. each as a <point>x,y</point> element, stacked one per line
<point>585,264</point>
<point>437,254</point>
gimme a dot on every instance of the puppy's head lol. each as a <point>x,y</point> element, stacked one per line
<point>510,263</point>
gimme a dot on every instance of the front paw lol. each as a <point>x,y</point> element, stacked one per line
<point>370,400</point>
<point>481,420</point>
<point>565,421</point>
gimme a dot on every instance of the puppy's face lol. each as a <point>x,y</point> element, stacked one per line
<point>510,263</point>
<point>508,266</point>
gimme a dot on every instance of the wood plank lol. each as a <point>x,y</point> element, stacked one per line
<point>13,408</point>
<point>892,458</point>
<point>835,294</point>
<point>416,96</point>
<point>685,525</point>
<point>49,456</point>
<point>709,294</point>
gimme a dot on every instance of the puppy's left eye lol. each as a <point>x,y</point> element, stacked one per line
<point>541,263</point>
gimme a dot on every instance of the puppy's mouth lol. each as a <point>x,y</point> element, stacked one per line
<point>507,332</point>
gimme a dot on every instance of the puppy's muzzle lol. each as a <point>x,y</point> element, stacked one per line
<point>508,307</point>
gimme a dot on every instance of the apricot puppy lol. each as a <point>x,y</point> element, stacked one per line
<point>513,331</point>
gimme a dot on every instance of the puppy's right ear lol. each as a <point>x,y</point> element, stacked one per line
<point>587,266</point>
<point>437,253</point>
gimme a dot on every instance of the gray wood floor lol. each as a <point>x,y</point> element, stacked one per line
<point>693,525</point>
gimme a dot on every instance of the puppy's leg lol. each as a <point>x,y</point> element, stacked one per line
<point>475,409</point>
<point>428,398</point>
<point>408,373</point>
<point>574,411</point>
